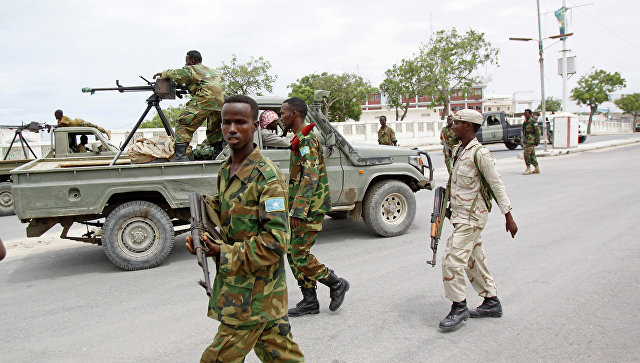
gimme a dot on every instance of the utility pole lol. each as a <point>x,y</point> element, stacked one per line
<point>565,69</point>
<point>544,106</point>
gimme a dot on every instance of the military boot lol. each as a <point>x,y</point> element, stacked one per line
<point>457,315</point>
<point>535,170</point>
<point>180,153</point>
<point>338,288</point>
<point>309,303</point>
<point>490,308</point>
<point>527,171</point>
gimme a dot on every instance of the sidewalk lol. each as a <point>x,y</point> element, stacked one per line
<point>585,147</point>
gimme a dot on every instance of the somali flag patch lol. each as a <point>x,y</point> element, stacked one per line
<point>274,205</point>
<point>304,151</point>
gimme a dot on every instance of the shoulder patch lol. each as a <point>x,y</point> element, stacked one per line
<point>274,204</point>
<point>304,150</point>
<point>268,169</point>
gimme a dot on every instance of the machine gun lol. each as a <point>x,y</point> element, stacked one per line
<point>163,89</point>
<point>31,126</point>
<point>440,199</point>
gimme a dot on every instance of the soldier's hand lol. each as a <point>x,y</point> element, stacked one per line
<point>214,249</point>
<point>294,222</point>
<point>159,74</point>
<point>510,224</point>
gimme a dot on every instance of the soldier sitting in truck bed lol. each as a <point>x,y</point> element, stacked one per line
<point>65,121</point>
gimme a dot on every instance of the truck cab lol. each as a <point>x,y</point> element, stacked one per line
<point>496,129</point>
<point>66,142</point>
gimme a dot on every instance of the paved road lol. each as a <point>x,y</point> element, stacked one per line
<point>568,283</point>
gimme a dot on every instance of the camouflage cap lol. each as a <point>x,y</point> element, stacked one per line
<point>467,115</point>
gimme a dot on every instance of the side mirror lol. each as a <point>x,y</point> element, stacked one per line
<point>330,140</point>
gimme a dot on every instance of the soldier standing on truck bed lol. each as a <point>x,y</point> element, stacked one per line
<point>65,121</point>
<point>308,203</point>
<point>207,94</point>
<point>449,140</point>
<point>474,180</point>
<point>386,135</point>
<point>531,136</point>
<point>249,295</point>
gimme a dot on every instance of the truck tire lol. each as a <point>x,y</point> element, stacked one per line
<point>511,145</point>
<point>582,139</point>
<point>6,199</point>
<point>137,235</point>
<point>389,208</point>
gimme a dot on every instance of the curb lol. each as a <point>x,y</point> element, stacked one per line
<point>594,146</point>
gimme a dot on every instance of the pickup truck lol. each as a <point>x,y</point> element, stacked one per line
<point>141,207</point>
<point>496,129</point>
<point>63,145</point>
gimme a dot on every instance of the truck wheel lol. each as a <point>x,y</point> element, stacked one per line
<point>389,208</point>
<point>581,139</point>
<point>511,145</point>
<point>137,235</point>
<point>6,199</point>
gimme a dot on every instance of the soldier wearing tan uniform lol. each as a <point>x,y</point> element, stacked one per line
<point>65,121</point>
<point>469,213</point>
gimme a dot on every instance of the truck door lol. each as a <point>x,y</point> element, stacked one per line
<point>492,129</point>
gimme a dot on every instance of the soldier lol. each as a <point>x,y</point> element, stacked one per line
<point>469,213</point>
<point>269,125</point>
<point>448,140</point>
<point>308,202</point>
<point>530,130</point>
<point>207,95</point>
<point>65,121</point>
<point>386,135</point>
<point>249,295</point>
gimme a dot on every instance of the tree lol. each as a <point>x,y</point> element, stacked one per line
<point>171,113</point>
<point>251,78</point>
<point>402,82</point>
<point>551,105</point>
<point>449,61</point>
<point>594,88</point>
<point>347,90</point>
<point>630,104</point>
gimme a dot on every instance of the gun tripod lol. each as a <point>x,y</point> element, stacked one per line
<point>23,143</point>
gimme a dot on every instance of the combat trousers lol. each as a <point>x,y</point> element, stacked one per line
<point>305,266</point>
<point>447,160</point>
<point>464,252</point>
<point>272,342</point>
<point>530,155</point>
<point>193,116</point>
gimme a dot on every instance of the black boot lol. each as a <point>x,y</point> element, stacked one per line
<point>457,315</point>
<point>490,308</point>
<point>309,303</point>
<point>180,153</point>
<point>338,287</point>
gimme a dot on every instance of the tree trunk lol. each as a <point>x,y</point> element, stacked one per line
<point>397,113</point>
<point>445,109</point>
<point>406,108</point>
<point>593,111</point>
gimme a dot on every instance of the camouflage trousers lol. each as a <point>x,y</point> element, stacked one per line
<point>464,252</point>
<point>530,155</point>
<point>271,341</point>
<point>447,160</point>
<point>193,116</point>
<point>305,266</point>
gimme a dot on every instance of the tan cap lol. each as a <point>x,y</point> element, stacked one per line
<point>467,115</point>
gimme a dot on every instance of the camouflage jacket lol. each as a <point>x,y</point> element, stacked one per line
<point>204,84</point>
<point>65,121</point>
<point>448,138</point>
<point>308,181</point>
<point>465,186</point>
<point>386,136</point>
<point>250,285</point>
<point>530,129</point>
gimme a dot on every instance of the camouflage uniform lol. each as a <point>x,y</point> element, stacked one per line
<point>448,138</point>
<point>249,295</point>
<point>67,122</point>
<point>469,215</point>
<point>530,128</point>
<point>309,201</point>
<point>207,96</point>
<point>386,136</point>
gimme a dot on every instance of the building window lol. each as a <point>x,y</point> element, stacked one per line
<point>498,109</point>
<point>454,109</point>
<point>478,108</point>
<point>470,107</point>
<point>489,109</point>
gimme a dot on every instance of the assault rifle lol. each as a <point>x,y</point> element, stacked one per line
<point>31,126</point>
<point>163,89</point>
<point>200,224</point>
<point>440,199</point>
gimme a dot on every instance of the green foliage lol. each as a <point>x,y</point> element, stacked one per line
<point>594,88</point>
<point>347,90</point>
<point>171,113</point>
<point>551,105</point>
<point>402,80</point>
<point>251,78</point>
<point>630,104</point>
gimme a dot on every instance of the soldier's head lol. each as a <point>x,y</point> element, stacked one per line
<point>527,113</point>
<point>239,121</point>
<point>293,112</point>
<point>449,120</point>
<point>383,121</point>
<point>193,58</point>
<point>84,140</point>
<point>466,123</point>
<point>58,114</point>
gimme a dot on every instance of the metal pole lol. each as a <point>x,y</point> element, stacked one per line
<point>565,70</point>
<point>544,106</point>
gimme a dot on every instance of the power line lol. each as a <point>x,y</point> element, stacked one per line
<point>609,30</point>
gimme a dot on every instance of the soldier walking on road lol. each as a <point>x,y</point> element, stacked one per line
<point>448,140</point>
<point>308,202</point>
<point>531,136</point>
<point>249,295</point>
<point>207,94</point>
<point>386,135</point>
<point>64,121</point>
<point>474,179</point>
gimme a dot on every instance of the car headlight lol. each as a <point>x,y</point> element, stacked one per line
<point>418,161</point>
